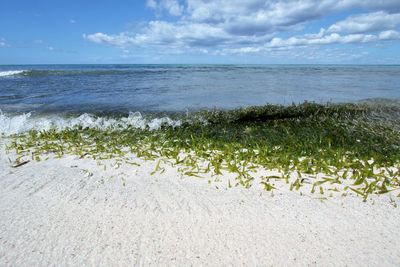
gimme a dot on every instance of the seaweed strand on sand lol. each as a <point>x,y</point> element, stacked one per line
<point>325,145</point>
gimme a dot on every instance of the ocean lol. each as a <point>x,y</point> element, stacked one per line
<point>49,94</point>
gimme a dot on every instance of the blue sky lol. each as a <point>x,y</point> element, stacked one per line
<point>200,31</point>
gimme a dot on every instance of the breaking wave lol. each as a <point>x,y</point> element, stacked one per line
<point>87,72</point>
<point>22,123</point>
<point>12,72</point>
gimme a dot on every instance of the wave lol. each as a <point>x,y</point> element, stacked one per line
<point>12,72</point>
<point>383,112</point>
<point>115,71</point>
<point>25,122</point>
<point>43,73</point>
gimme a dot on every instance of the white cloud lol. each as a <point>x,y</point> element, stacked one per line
<point>152,3</point>
<point>388,5</point>
<point>256,17</point>
<point>183,40</point>
<point>369,22</point>
<point>248,26</point>
<point>121,40</point>
<point>323,40</point>
<point>3,43</point>
<point>389,35</point>
<point>180,34</point>
<point>260,16</point>
<point>310,40</point>
<point>171,6</point>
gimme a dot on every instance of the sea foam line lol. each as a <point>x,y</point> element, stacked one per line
<point>11,72</point>
<point>25,122</point>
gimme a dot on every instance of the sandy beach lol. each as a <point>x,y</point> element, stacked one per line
<point>200,133</point>
<point>73,212</point>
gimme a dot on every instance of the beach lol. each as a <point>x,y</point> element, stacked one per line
<point>200,133</point>
<point>70,211</point>
<point>176,170</point>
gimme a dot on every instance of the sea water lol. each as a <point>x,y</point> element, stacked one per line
<point>42,96</point>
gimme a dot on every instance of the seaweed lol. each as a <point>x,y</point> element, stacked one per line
<point>356,142</point>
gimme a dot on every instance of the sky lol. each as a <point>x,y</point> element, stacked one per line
<point>200,32</point>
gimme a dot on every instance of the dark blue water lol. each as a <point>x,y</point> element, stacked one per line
<point>44,89</point>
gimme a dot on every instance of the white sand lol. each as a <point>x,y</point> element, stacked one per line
<point>56,213</point>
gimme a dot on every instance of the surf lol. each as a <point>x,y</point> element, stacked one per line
<point>12,72</point>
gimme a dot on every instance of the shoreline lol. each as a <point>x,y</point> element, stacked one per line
<point>255,186</point>
<point>348,147</point>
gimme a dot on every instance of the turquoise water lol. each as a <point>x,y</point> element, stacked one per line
<point>65,89</point>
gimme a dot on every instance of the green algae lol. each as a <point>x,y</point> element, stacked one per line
<point>344,142</point>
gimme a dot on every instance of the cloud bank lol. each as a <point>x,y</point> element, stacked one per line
<point>255,26</point>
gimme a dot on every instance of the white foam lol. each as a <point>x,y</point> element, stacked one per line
<point>11,72</point>
<point>25,122</point>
